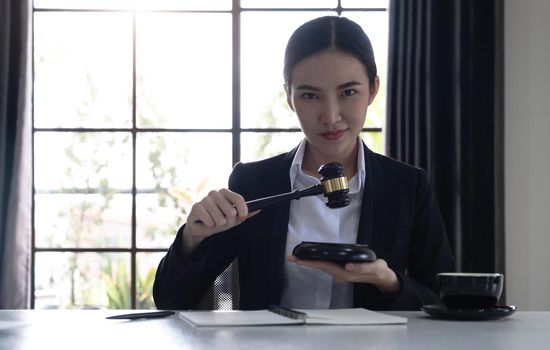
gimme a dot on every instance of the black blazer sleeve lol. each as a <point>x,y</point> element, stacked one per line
<point>430,252</point>
<point>180,283</point>
<point>417,252</point>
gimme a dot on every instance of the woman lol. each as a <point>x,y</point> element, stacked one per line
<point>330,80</point>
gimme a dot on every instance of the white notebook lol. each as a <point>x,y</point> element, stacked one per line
<point>354,316</point>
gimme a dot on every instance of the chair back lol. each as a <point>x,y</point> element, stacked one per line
<point>223,294</point>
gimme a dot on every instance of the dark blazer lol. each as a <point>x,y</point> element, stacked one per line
<point>399,220</point>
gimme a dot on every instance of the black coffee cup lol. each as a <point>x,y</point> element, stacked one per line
<point>470,291</point>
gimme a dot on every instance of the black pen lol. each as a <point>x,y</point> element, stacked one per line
<point>137,315</point>
<point>290,313</point>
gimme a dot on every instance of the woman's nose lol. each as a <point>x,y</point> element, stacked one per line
<point>330,112</point>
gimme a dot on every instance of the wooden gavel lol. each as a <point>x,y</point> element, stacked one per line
<point>334,186</point>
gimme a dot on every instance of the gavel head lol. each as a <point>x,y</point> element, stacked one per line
<point>335,185</point>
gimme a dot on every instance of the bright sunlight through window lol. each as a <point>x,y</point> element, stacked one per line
<point>140,108</point>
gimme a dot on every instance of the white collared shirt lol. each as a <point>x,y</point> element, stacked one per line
<point>311,220</point>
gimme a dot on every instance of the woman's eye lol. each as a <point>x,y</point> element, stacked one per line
<point>347,93</point>
<point>308,96</point>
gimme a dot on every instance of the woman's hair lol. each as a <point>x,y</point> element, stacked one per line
<point>329,32</point>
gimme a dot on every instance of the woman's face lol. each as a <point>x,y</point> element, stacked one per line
<point>330,94</point>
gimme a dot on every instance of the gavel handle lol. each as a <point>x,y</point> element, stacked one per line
<point>261,203</point>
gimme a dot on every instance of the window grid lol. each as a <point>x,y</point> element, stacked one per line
<point>235,130</point>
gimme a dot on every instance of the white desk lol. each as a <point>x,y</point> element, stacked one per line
<point>36,329</point>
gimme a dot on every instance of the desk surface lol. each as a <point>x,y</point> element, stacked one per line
<point>83,329</point>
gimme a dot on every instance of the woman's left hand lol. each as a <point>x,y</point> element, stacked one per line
<point>376,273</point>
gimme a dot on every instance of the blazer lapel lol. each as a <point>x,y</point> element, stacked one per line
<point>380,211</point>
<point>280,216</point>
<point>378,222</point>
<point>364,233</point>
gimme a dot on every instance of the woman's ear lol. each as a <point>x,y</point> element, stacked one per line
<point>374,89</point>
<point>288,99</point>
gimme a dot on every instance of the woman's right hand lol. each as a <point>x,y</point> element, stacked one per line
<point>218,211</point>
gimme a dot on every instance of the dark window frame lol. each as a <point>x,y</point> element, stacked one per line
<point>236,130</point>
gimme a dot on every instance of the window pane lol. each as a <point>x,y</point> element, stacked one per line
<point>261,145</point>
<point>83,4</point>
<point>83,70</point>
<point>183,5</point>
<point>159,217</point>
<point>375,141</point>
<point>146,268</point>
<point>365,3</point>
<point>83,221</point>
<point>175,170</point>
<point>289,3</point>
<point>86,162</point>
<point>264,38</point>
<point>184,70</point>
<point>375,24</point>
<point>82,280</point>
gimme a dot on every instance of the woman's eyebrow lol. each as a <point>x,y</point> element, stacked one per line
<point>307,87</point>
<point>341,86</point>
<point>348,84</point>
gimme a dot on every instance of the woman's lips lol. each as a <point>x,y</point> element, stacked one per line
<point>333,135</point>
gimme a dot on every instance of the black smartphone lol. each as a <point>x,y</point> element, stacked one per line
<point>335,252</point>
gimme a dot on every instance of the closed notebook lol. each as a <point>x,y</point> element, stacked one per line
<point>354,316</point>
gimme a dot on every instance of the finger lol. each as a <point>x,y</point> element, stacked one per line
<point>372,268</point>
<point>237,202</point>
<point>225,205</point>
<point>253,213</point>
<point>292,258</point>
<point>212,205</point>
<point>367,268</point>
<point>335,270</point>
<point>199,215</point>
<point>338,272</point>
<point>324,265</point>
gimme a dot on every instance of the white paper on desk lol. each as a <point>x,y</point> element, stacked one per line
<point>268,318</point>
<point>351,317</point>
<point>11,324</point>
<point>236,318</point>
